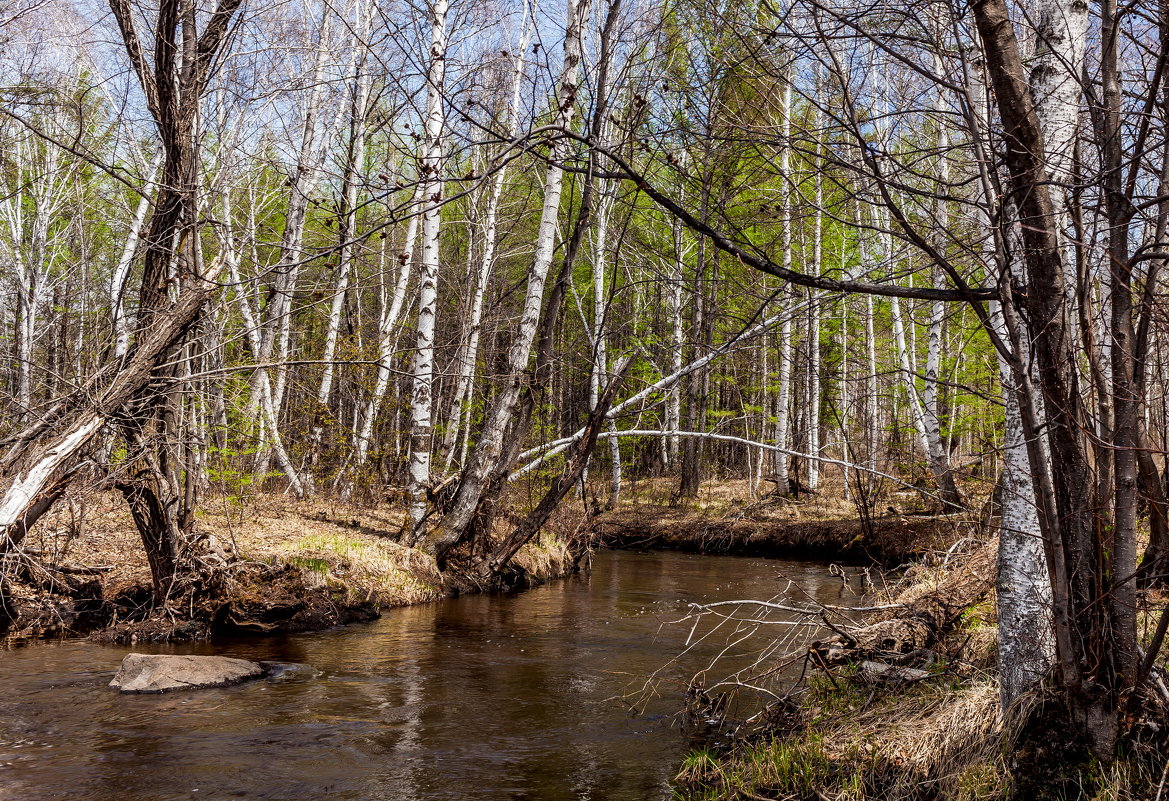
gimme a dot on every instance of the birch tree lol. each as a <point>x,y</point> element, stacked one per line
<point>485,459</point>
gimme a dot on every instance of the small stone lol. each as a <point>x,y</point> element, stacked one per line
<point>158,673</point>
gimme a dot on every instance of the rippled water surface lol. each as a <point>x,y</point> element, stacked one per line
<point>482,697</point>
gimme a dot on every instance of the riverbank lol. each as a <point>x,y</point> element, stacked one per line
<point>825,526</point>
<point>273,565</point>
<point>902,704</point>
<point>270,566</point>
<point>888,540</point>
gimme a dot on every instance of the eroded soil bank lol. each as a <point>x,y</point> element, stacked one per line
<point>272,566</point>
<point>278,566</point>
<point>890,540</point>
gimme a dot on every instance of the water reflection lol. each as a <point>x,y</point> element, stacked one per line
<point>483,697</point>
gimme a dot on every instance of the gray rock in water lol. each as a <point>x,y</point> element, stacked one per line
<point>158,673</point>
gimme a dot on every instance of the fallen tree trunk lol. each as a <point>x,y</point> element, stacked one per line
<point>919,618</point>
<point>38,458</point>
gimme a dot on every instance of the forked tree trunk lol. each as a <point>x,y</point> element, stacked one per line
<point>486,456</point>
<point>1023,584</point>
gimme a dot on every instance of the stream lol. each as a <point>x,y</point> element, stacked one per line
<point>479,697</point>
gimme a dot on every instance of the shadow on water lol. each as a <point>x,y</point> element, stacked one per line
<point>479,697</point>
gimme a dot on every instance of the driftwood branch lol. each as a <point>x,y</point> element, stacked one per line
<point>918,618</point>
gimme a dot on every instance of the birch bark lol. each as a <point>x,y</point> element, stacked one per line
<point>459,417</point>
<point>783,402</point>
<point>422,399</point>
<point>346,257</point>
<point>387,324</point>
<point>485,458</point>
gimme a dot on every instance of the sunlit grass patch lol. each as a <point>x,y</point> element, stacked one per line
<point>544,559</point>
<point>383,572</point>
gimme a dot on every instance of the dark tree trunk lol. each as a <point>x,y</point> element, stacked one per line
<point>1096,642</point>
<point>173,83</point>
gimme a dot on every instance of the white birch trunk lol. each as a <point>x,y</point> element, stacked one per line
<point>600,369</point>
<point>459,416</point>
<point>1026,638</point>
<point>121,274</point>
<point>390,312</point>
<point>359,112</point>
<point>485,458</point>
<point>1023,586</point>
<point>814,344</point>
<point>783,403</point>
<point>421,400</point>
<point>673,414</point>
<point>931,419</point>
<point>874,416</point>
<point>1060,29</point>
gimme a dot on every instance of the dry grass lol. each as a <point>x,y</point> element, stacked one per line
<point>345,548</point>
<point>348,547</point>
<point>733,497</point>
<point>545,558</point>
<point>379,571</point>
<point>933,742</point>
<point>941,739</point>
<point>718,499</point>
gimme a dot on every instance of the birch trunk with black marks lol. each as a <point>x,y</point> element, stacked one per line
<point>422,400</point>
<point>391,312</point>
<point>458,420</point>
<point>485,458</point>
<point>347,249</point>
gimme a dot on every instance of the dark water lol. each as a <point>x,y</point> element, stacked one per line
<point>482,697</point>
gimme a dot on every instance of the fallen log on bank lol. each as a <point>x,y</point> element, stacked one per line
<point>919,617</point>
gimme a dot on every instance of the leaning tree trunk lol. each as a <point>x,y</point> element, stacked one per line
<point>41,459</point>
<point>485,459</point>
<point>391,311</point>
